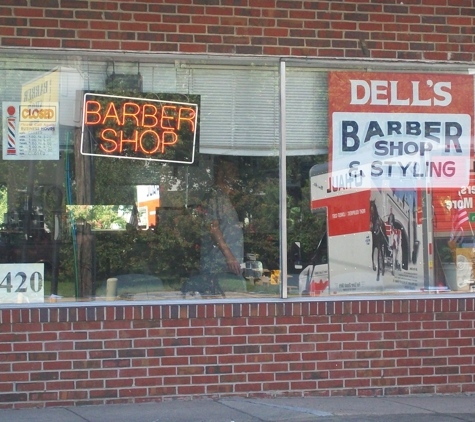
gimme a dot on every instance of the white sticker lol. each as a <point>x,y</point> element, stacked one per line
<point>21,283</point>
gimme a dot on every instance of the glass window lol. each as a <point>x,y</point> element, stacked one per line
<point>143,178</point>
<point>127,180</point>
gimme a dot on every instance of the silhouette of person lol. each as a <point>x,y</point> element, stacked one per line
<point>222,247</point>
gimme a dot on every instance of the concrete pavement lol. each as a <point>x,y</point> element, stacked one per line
<point>446,408</point>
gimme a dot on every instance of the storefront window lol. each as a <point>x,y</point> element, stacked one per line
<point>127,180</point>
<point>150,178</point>
<point>390,207</point>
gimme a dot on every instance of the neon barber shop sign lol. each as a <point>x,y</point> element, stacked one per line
<point>140,128</point>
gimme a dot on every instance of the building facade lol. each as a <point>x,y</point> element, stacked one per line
<point>235,197</point>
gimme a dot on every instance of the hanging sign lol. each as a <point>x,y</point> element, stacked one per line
<point>139,128</point>
<point>401,130</point>
<point>60,85</point>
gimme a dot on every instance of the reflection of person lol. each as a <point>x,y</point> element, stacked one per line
<point>222,249</point>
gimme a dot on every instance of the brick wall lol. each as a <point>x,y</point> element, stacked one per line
<point>381,29</point>
<point>87,354</point>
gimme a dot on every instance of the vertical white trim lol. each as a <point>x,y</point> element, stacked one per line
<point>283,184</point>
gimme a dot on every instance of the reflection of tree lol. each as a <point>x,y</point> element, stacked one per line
<point>308,229</point>
<point>178,246</point>
<point>84,238</point>
<point>100,217</point>
<point>172,249</point>
<point>302,225</point>
<point>257,204</point>
<point>114,180</point>
<point>169,251</point>
<point>3,201</point>
<point>34,202</point>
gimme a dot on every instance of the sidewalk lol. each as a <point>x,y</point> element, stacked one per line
<point>456,408</point>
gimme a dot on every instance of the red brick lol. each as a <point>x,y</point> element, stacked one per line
<point>357,383</point>
<point>104,373</point>
<point>72,335</point>
<point>119,383</point>
<point>57,365</point>
<point>224,359</point>
<point>105,45</point>
<point>161,391</point>
<point>59,385</point>
<point>103,394</point>
<point>26,366</point>
<point>192,390</point>
<point>76,375</point>
<point>73,395</point>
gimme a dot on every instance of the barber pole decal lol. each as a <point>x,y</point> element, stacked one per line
<point>11,121</point>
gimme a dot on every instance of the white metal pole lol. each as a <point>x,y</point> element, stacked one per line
<point>283,184</point>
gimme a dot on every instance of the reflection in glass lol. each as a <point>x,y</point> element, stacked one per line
<point>222,241</point>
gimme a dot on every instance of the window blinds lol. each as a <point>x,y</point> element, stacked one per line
<point>239,113</point>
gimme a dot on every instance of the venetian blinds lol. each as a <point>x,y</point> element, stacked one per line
<point>239,112</point>
<point>307,111</point>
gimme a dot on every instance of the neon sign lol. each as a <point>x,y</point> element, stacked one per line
<point>139,128</point>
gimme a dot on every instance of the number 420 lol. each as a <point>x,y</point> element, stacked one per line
<point>36,282</point>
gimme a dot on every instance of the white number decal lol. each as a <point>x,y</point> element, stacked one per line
<point>36,281</point>
<point>14,285</point>
<point>6,283</point>
<point>22,276</point>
